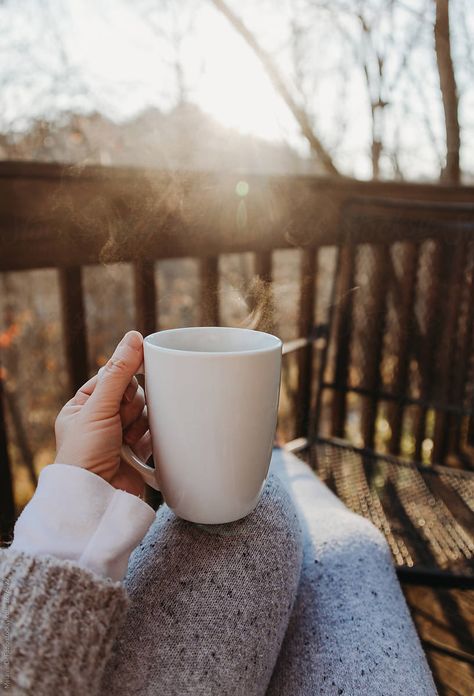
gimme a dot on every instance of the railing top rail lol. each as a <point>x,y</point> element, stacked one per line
<point>51,214</point>
<point>56,170</point>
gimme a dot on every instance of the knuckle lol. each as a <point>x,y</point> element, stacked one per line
<point>115,365</point>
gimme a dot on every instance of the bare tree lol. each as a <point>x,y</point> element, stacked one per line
<point>172,24</point>
<point>276,78</point>
<point>381,39</point>
<point>369,31</point>
<point>40,69</point>
<point>447,81</point>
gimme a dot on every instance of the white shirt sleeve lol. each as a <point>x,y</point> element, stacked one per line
<point>76,515</point>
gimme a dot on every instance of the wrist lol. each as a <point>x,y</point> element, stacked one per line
<point>76,515</point>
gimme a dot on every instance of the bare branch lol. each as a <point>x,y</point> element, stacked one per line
<point>276,79</point>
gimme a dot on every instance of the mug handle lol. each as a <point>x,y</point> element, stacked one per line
<point>148,474</point>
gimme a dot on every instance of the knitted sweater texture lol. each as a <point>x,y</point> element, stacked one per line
<point>58,623</point>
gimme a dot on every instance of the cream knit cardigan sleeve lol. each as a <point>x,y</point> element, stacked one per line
<point>61,602</point>
<point>58,623</point>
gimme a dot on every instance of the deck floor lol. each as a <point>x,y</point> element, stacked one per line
<point>445,621</point>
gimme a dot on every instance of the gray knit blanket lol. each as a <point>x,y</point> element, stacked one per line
<point>300,598</point>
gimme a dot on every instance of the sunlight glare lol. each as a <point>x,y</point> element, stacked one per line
<point>233,86</point>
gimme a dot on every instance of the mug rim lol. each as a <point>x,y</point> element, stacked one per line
<point>276,342</point>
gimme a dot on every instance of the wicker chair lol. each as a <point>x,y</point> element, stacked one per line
<point>392,428</point>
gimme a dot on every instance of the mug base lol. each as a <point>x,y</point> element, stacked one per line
<point>218,518</point>
<point>206,522</point>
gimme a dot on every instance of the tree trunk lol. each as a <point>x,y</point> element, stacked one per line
<point>447,82</point>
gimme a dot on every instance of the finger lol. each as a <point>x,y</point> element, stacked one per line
<point>117,374</point>
<point>130,391</point>
<point>143,448</point>
<point>83,393</point>
<point>138,428</point>
<point>130,412</point>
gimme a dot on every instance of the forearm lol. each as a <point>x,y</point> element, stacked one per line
<point>58,623</point>
<point>61,600</point>
<point>76,515</point>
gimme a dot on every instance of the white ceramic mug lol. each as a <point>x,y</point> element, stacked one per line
<point>212,397</point>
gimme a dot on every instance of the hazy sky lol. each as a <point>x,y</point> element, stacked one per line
<point>125,64</point>
<point>119,57</point>
<point>222,75</point>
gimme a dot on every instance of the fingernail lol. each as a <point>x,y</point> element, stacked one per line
<point>133,339</point>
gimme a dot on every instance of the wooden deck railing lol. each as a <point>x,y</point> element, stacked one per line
<point>59,217</point>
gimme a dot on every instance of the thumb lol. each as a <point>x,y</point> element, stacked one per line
<point>117,373</point>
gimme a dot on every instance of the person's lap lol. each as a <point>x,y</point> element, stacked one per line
<point>350,631</point>
<point>210,606</point>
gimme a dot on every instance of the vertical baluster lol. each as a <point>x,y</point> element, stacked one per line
<point>7,507</point>
<point>462,387</point>
<point>374,346</point>
<point>209,300</point>
<point>260,298</point>
<point>405,293</point>
<point>263,265</point>
<point>305,326</point>
<point>429,344</point>
<point>145,296</point>
<point>74,325</point>
<point>447,358</point>
<point>343,337</point>
<point>328,337</point>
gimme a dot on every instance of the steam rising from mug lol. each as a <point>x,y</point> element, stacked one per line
<point>212,396</point>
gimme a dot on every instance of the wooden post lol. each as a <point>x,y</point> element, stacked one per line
<point>374,346</point>
<point>263,266</point>
<point>74,325</point>
<point>430,340</point>
<point>145,313</point>
<point>343,337</point>
<point>260,299</point>
<point>315,420</point>
<point>7,506</point>
<point>209,300</point>
<point>145,296</point>
<point>305,357</point>
<point>10,401</point>
<point>405,293</point>
<point>467,341</point>
<point>447,368</point>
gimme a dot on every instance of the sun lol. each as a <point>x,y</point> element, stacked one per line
<point>233,86</point>
<point>224,77</point>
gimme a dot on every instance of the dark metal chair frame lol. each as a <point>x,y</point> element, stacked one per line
<point>425,511</point>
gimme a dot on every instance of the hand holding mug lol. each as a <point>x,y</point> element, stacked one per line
<point>212,398</point>
<point>106,411</point>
